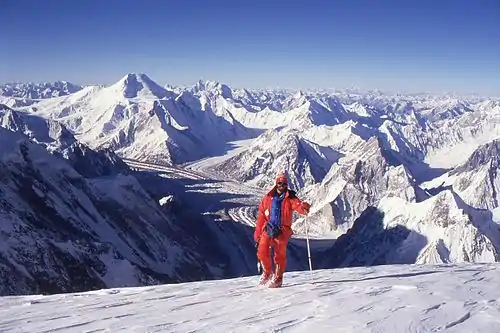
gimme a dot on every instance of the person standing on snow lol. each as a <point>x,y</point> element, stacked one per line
<point>274,228</point>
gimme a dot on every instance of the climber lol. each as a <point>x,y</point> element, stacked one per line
<point>274,229</point>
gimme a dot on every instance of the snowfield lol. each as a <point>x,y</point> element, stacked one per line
<point>389,299</point>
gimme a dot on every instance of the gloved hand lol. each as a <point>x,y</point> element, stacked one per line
<point>305,207</point>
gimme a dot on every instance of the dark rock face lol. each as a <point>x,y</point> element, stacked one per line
<point>367,243</point>
<point>90,163</point>
<point>79,223</point>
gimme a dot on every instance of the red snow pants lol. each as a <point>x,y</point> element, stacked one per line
<point>279,245</point>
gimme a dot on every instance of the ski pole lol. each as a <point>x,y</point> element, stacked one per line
<point>308,247</point>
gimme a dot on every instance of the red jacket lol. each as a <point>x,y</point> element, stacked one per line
<point>290,203</point>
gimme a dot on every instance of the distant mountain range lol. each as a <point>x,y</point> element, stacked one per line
<point>396,178</point>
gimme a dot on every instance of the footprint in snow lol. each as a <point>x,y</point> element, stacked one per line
<point>432,308</point>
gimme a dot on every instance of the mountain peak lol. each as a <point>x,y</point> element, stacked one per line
<point>139,84</point>
<point>298,99</point>
<point>287,138</point>
<point>136,77</point>
<point>299,94</point>
<point>214,87</point>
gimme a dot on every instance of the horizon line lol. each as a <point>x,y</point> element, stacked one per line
<point>352,89</point>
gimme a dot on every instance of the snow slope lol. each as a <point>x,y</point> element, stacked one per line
<point>389,299</point>
<point>477,180</point>
<point>456,138</point>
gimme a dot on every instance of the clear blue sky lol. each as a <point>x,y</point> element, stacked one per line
<point>407,45</point>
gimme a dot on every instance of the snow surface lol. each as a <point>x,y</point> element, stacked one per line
<point>457,154</point>
<point>389,299</point>
<point>496,215</point>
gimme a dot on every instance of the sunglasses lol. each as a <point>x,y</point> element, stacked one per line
<point>281,184</point>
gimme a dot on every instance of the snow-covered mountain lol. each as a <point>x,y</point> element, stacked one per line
<point>192,122</point>
<point>38,90</point>
<point>276,150</point>
<point>41,130</point>
<point>54,220</point>
<point>139,119</point>
<point>442,229</point>
<point>422,129</point>
<point>24,94</point>
<point>455,139</point>
<point>60,141</point>
<point>435,158</point>
<point>390,299</point>
<point>476,180</point>
<point>357,181</point>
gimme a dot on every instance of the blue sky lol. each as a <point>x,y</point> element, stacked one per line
<point>420,45</point>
